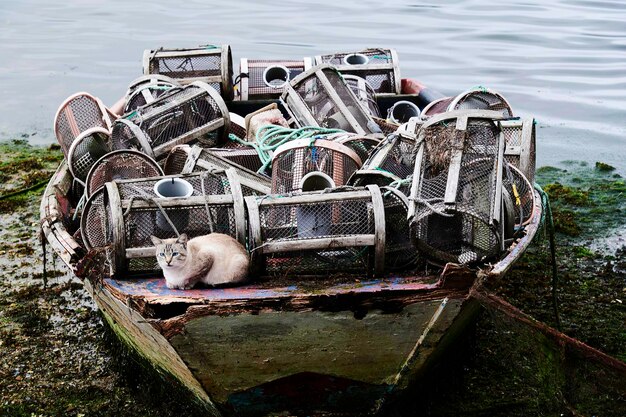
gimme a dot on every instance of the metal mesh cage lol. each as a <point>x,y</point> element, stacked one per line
<point>77,114</point>
<point>320,97</point>
<point>317,233</point>
<point>261,79</point>
<point>437,106</point>
<point>364,93</point>
<point>144,90</point>
<point>184,159</point>
<point>378,66</point>
<point>124,214</point>
<point>456,212</point>
<point>211,64</point>
<point>481,98</point>
<point>191,113</point>
<point>120,165</point>
<point>391,162</point>
<point>519,135</point>
<point>238,126</point>
<point>86,149</point>
<point>293,160</point>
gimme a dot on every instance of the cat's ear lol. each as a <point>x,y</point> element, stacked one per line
<point>155,240</point>
<point>182,239</point>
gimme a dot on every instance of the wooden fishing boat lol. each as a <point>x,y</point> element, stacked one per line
<point>341,345</point>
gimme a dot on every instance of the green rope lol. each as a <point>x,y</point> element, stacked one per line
<point>546,217</point>
<point>270,137</point>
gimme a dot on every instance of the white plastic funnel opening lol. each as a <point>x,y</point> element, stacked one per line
<point>276,76</point>
<point>402,111</point>
<point>355,59</point>
<point>316,181</point>
<point>173,187</point>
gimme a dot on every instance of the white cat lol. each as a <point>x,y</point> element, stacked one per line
<point>212,259</point>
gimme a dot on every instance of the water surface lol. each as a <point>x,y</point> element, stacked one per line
<point>562,62</point>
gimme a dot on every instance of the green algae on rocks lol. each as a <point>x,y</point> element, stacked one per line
<point>24,171</point>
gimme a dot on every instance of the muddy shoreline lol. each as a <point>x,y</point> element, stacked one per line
<point>60,359</point>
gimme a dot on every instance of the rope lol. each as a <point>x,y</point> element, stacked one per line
<point>547,216</point>
<point>270,137</point>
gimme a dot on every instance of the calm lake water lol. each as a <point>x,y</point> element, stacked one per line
<point>563,62</point>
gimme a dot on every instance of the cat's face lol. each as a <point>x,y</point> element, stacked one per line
<point>171,253</point>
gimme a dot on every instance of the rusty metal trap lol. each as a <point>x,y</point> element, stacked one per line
<point>320,97</point>
<point>380,67</point>
<point>208,63</point>
<point>262,79</point>
<point>124,214</point>
<point>457,210</point>
<point>191,113</point>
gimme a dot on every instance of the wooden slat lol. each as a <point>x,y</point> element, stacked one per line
<point>380,227</point>
<point>318,244</point>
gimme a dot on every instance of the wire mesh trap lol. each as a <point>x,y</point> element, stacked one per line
<point>194,112</point>
<point>208,63</point>
<point>320,97</point>
<point>400,254</point>
<point>317,233</point>
<point>293,160</point>
<point>184,159</point>
<point>378,66</point>
<point>457,213</point>
<point>520,151</point>
<point>145,89</point>
<point>481,98</point>
<point>123,215</point>
<point>391,162</point>
<point>364,93</point>
<point>261,79</point>
<point>120,165</point>
<point>82,126</point>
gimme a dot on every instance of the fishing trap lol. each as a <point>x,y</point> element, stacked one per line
<point>191,113</point>
<point>124,214</point>
<point>145,89</point>
<point>185,159</point>
<point>263,79</point>
<point>456,210</point>
<point>82,126</point>
<point>312,164</point>
<point>208,63</point>
<point>120,165</point>
<point>380,67</point>
<point>317,233</point>
<point>320,97</point>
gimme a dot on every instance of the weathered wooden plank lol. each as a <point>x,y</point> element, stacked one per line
<point>146,340</point>
<point>232,353</point>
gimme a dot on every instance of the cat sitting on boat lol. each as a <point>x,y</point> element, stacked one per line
<point>212,259</point>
